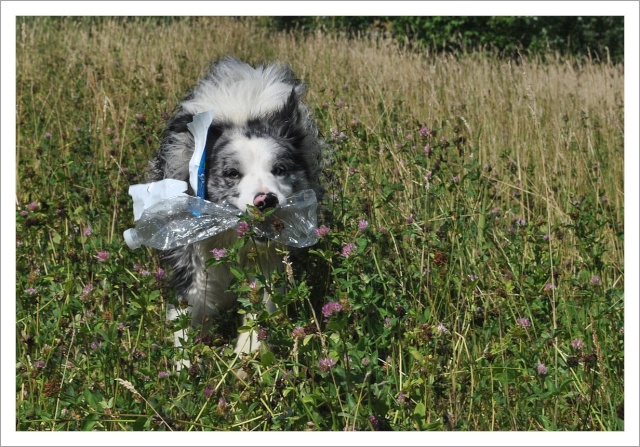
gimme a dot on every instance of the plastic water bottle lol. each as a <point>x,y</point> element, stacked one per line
<point>183,220</point>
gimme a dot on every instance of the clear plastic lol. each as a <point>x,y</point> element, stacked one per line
<point>183,220</point>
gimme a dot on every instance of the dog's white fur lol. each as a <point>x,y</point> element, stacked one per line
<point>262,143</point>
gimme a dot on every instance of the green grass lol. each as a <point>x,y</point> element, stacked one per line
<point>492,256</point>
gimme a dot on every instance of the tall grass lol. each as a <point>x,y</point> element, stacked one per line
<point>483,198</point>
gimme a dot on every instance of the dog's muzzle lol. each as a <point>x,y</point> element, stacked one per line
<point>263,201</point>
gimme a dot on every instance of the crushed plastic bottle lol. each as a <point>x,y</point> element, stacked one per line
<point>184,219</point>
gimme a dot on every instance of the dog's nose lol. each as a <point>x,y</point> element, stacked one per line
<point>263,201</point>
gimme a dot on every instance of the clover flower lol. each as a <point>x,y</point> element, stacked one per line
<point>322,231</point>
<point>348,249</point>
<point>331,308</point>
<point>523,322</point>
<point>542,369</point>
<point>219,253</point>
<point>325,364</point>
<point>298,332</point>
<point>242,228</point>
<point>208,391</point>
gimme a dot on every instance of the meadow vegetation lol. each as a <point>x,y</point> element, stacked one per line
<point>471,270</point>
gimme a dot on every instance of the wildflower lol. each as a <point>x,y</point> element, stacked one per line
<point>424,131</point>
<point>219,253</point>
<point>387,322</point>
<point>163,374</point>
<point>604,199</point>
<point>145,272</point>
<point>442,329</point>
<point>103,255</point>
<point>331,308</point>
<point>87,231</point>
<point>30,291</point>
<point>298,332</point>
<point>326,363</point>
<point>542,370</point>
<point>139,116</point>
<point>427,175</point>
<point>519,221</point>
<point>39,364</point>
<point>242,228</point>
<point>208,391</point>
<point>262,334</point>
<point>362,225</point>
<point>366,361</point>
<point>427,149</point>
<point>375,423</point>
<point>410,219</point>
<point>495,210</point>
<point>86,290</point>
<point>595,281</point>
<point>348,249</point>
<point>48,134</point>
<point>473,278</point>
<point>338,136</point>
<point>322,231</point>
<point>546,237</point>
<point>523,322</point>
<point>352,170</point>
<point>95,346</point>
<point>340,103</point>
<point>33,206</point>
<point>573,361</point>
<point>401,399</point>
<point>160,274</point>
<point>222,405</point>
<point>456,179</point>
<point>577,344</point>
<point>548,287</point>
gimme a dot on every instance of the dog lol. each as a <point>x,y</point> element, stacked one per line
<point>262,146</point>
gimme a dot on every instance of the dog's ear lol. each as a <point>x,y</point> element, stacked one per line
<point>288,120</point>
<point>213,134</point>
<point>178,123</point>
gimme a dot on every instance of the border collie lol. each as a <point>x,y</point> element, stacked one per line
<point>261,147</point>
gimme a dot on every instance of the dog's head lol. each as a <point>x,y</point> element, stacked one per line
<point>260,163</point>
<point>262,145</point>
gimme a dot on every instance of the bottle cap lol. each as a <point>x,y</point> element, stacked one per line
<point>131,238</point>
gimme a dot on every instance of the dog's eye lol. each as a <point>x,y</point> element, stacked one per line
<point>231,173</point>
<point>279,170</point>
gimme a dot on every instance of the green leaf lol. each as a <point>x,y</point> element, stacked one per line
<point>420,410</point>
<point>416,355</point>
